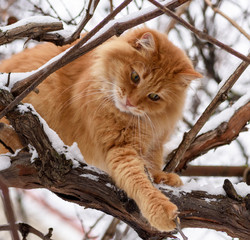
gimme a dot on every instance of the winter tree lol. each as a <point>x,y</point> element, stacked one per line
<point>211,143</point>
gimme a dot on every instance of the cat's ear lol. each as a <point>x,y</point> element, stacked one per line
<point>146,42</point>
<point>189,75</point>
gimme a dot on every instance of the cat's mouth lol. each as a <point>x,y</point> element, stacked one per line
<point>124,105</point>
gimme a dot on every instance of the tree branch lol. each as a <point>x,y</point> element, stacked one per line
<point>8,208</point>
<point>217,10</point>
<point>199,33</point>
<point>87,186</point>
<point>224,134</point>
<point>30,30</point>
<point>25,229</point>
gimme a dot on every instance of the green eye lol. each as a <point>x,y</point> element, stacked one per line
<point>135,77</point>
<point>153,96</point>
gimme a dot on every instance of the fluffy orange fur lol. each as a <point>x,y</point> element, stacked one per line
<point>120,103</point>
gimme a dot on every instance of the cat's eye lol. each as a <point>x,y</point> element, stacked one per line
<point>153,96</point>
<point>135,77</point>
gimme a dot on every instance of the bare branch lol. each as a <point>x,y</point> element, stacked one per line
<point>89,13</point>
<point>217,10</point>
<point>8,208</point>
<point>215,171</point>
<point>25,229</point>
<point>201,34</point>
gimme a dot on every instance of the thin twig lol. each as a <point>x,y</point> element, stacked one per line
<point>178,12</point>
<point>8,209</point>
<point>86,237</point>
<point>199,33</point>
<point>25,229</point>
<point>190,136</point>
<point>89,13</point>
<point>217,10</point>
<point>178,227</point>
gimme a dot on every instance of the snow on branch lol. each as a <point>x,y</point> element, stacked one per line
<point>89,187</point>
<point>31,27</point>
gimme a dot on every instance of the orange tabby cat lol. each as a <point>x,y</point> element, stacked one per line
<point>120,103</point>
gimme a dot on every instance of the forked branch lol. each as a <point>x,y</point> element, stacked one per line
<point>224,134</point>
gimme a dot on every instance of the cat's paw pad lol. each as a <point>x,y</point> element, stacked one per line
<point>170,179</point>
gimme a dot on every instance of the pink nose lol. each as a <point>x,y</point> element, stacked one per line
<point>128,103</point>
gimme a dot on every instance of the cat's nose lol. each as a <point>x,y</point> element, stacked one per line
<point>128,103</point>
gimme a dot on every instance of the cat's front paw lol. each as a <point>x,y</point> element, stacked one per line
<point>170,179</point>
<point>162,214</point>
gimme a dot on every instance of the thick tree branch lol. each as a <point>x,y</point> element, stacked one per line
<point>87,186</point>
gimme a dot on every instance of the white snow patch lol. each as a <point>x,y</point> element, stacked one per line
<point>242,189</point>
<point>33,153</point>
<point>195,186</point>
<point>7,81</point>
<point>109,185</point>
<point>225,115</point>
<point>95,169</point>
<point>208,200</point>
<point>90,176</point>
<point>4,162</point>
<point>23,108</point>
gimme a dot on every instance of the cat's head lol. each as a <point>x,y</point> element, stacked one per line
<point>145,72</point>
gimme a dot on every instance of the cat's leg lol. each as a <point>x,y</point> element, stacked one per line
<point>127,169</point>
<point>155,163</point>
